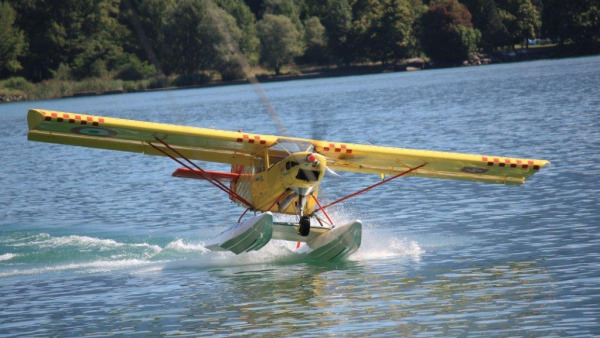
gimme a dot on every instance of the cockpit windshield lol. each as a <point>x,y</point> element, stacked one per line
<point>292,146</point>
<point>285,147</point>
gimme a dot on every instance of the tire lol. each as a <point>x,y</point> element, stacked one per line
<point>304,228</point>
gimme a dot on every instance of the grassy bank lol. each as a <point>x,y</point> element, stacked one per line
<point>19,89</point>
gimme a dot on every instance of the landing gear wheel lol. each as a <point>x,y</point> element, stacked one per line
<point>304,228</point>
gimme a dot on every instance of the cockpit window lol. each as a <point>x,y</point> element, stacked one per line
<point>290,164</point>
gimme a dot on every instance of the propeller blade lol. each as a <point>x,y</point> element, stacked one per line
<point>333,172</point>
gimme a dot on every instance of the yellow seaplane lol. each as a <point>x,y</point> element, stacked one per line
<point>274,174</point>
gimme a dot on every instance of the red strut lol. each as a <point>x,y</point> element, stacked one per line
<point>202,173</point>
<point>369,188</point>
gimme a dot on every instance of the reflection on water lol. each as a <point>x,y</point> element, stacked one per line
<point>101,243</point>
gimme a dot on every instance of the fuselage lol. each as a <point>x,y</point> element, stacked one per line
<point>286,186</point>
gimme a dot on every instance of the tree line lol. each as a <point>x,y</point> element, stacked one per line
<point>137,39</point>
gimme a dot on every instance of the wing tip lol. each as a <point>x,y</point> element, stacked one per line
<point>34,118</point>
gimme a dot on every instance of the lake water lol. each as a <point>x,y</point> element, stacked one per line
<point>95,242</point>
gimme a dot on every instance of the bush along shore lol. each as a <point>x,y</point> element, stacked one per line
<point>19,89</point>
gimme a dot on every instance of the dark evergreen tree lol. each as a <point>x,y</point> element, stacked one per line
<point>12,41</point>
<point>487,20</point>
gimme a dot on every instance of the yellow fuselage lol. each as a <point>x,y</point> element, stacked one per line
<point>285,186</point>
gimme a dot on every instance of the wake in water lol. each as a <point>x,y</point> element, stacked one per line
<point>26,254</point>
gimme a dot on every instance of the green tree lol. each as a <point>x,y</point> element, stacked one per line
<point>576,21</point>
<point>391,31</point>
<point>337,20</point>
<point>315,39</point>
<point>365,15</point>
<point>85,35</point>
<point>583,25</point>
<point>530,21</point>
<point>230,61</point>
<point>146,24</point>
<point>193,38</point>
<point>446,32</point>
<point>280,40</point>
<point>12,41</point>
<point>488,21</point>
<point>249,43</point>
<point>188,51</point>
<point>288,8</point>
<point>521,18</point>
<point>98,47</point>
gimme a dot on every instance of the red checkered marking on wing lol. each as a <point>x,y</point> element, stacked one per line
<point>72,118</point>
<point>251,139</point>
<point>513,163</point>
<point>341,149</point>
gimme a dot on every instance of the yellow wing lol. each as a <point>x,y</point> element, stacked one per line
<point>391,161</point>
<point>241,148</point>
<point>136,136</point>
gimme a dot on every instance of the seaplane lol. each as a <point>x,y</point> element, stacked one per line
<point>274,174</point>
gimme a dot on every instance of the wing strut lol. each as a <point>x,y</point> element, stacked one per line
<point>322,208</point>
<point>202,172</point>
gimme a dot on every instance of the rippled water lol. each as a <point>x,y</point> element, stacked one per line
<point>95,242</point>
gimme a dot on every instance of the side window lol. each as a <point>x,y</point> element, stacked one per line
<point>259,165</point>
<point>290,164</point>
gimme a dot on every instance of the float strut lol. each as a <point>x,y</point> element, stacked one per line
<point>322,208</point>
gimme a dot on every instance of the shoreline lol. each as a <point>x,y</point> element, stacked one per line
<point>315,72</point>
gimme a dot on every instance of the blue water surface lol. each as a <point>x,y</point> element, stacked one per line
<point>94,242</point>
